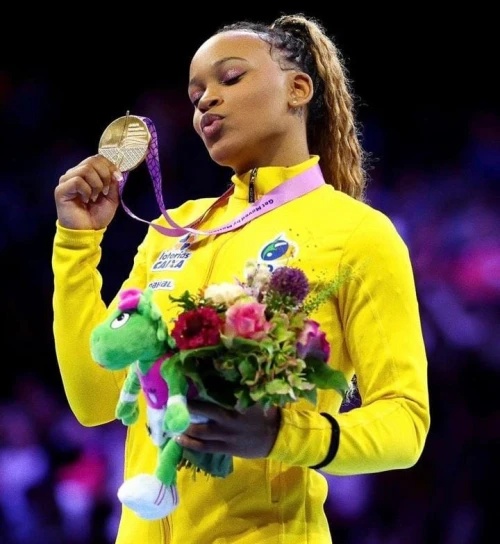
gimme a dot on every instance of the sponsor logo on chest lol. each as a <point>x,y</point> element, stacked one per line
<point>175,258</point>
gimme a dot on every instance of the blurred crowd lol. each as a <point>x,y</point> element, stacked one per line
<point>58,480</point>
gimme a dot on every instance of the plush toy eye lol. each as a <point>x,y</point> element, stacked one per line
<point>120,320</point>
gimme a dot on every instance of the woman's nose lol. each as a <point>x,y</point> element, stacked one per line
<point>208,101</point>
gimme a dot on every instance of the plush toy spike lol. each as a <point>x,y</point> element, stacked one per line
<point>135,337</point>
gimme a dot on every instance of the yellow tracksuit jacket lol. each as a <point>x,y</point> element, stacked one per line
<point>373,327</point>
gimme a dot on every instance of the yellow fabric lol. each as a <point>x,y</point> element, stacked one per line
<point>373,327</point>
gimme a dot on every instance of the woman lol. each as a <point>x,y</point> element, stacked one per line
<point>272,103</point>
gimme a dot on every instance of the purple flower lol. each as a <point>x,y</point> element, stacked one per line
<point>312,342</point>
<point>292,282</point>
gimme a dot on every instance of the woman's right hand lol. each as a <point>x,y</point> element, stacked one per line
<point>87,195</point>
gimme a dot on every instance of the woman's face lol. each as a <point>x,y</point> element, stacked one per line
<point>241,98</point>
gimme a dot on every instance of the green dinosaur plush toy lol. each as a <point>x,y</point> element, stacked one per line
<point>135,337</point>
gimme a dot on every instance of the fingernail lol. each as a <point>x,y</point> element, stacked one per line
<point>105,190</point>
<point>118,176</point>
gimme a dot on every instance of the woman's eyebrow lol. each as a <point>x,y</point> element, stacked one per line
<point>217,63</point>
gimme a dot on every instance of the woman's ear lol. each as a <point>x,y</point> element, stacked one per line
<point>301,89</point>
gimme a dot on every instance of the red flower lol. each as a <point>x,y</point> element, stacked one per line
<point>197,328</point>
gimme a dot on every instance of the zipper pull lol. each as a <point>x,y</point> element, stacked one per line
<point>251,186</point>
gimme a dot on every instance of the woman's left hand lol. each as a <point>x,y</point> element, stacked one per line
<point>249,434</point>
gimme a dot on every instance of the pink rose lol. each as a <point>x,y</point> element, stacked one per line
<point>246,320</point>
<point>312,341</point>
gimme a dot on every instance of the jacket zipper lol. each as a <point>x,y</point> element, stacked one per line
<point>251,186</point>
<point>251,198</point>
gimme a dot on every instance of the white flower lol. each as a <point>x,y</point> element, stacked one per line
<point>257,276</point>
<point>224,293</point>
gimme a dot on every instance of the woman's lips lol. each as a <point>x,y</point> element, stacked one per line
<point>211,125</point>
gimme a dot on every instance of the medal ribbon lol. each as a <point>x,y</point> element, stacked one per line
<point>285,192</point>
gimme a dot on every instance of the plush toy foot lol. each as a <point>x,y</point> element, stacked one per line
<point>148,497</point>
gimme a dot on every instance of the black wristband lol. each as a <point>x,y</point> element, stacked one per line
<point>334,442</point>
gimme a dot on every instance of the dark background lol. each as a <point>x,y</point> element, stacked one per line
<point>425,77</point>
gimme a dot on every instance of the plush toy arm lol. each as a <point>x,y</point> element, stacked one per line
<point>177,415</point>
<point>127,409</point>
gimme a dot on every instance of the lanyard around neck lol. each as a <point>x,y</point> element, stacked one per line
<point>287,191</point>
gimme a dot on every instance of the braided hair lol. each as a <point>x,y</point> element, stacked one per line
<point>300,42</point>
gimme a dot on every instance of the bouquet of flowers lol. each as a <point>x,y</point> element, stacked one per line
<point>253,341</point>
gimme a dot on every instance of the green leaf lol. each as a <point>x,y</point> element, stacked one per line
<point>247,369</point>
<point>244,399</point>
<point>186,301</point>
<point>245,343</point>
<point>325,377</point>
<point>280,387</point>
<point>198,353</point>
<point>310,394</point>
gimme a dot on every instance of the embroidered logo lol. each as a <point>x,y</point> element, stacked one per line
<point>175,258</point>
<point>185,242</point>
<point>278,252</point>
<point>162,285</point>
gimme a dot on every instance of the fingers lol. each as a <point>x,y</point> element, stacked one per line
<point>212,435</point>
<point>211,411</point>
<point>249,434</point>
<point>209,431</point>
<point>196,444</point>
<point>87,195</point>
<point>209,421</point>
<point>88,179</point>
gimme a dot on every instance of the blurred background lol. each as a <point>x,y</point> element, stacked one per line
<point>429,107</point>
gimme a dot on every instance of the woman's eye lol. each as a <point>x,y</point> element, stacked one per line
<point>228,78</point>
<point>195,99</point>
<point>232,77</point>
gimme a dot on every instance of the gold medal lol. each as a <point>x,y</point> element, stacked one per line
<point>125,142</point>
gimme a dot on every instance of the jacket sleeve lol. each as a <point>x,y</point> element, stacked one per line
<point>382,331</point>
<point>92,391</point>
